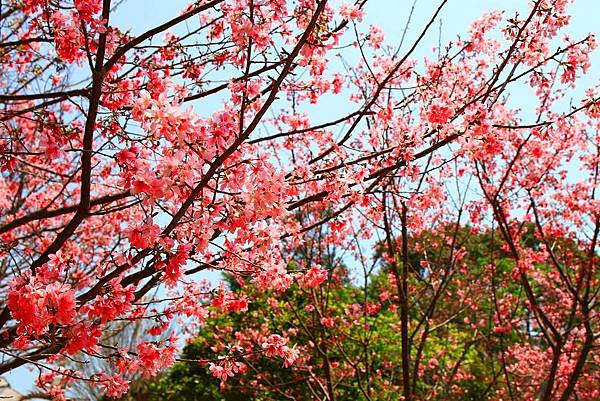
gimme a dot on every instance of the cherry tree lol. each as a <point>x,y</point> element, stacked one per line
<point>130,164</point>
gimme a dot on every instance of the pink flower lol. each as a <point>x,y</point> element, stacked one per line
<point>35,306</point>
<point>114,386</point>
<point>439,114</point>
<point>144,236</point>
<point>60,302</point>
<point>503,329</point>
<point>219,372</point>
<point>87,8</point>
<point>376,36</point>
<point>314,277</point>
<point>229,302</point>
<point>82,336</point>
<point>153,359</point>
<point>274,345</point>
<point>225,369</point>
<point>114,302</point>
<point>173,266</point>
<point>290,356</point>
<point>351,12</point>
<point>273,277</point>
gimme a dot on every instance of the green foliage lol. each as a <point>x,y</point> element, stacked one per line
<point>456,361</point>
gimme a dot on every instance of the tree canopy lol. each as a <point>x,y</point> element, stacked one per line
<point>391,225</point>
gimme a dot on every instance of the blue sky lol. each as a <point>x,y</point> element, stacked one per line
<point>391,15</point>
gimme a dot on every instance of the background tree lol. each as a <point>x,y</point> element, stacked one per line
<point>459,352</point>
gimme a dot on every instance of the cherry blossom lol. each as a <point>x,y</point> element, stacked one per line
<point>255,139</point>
